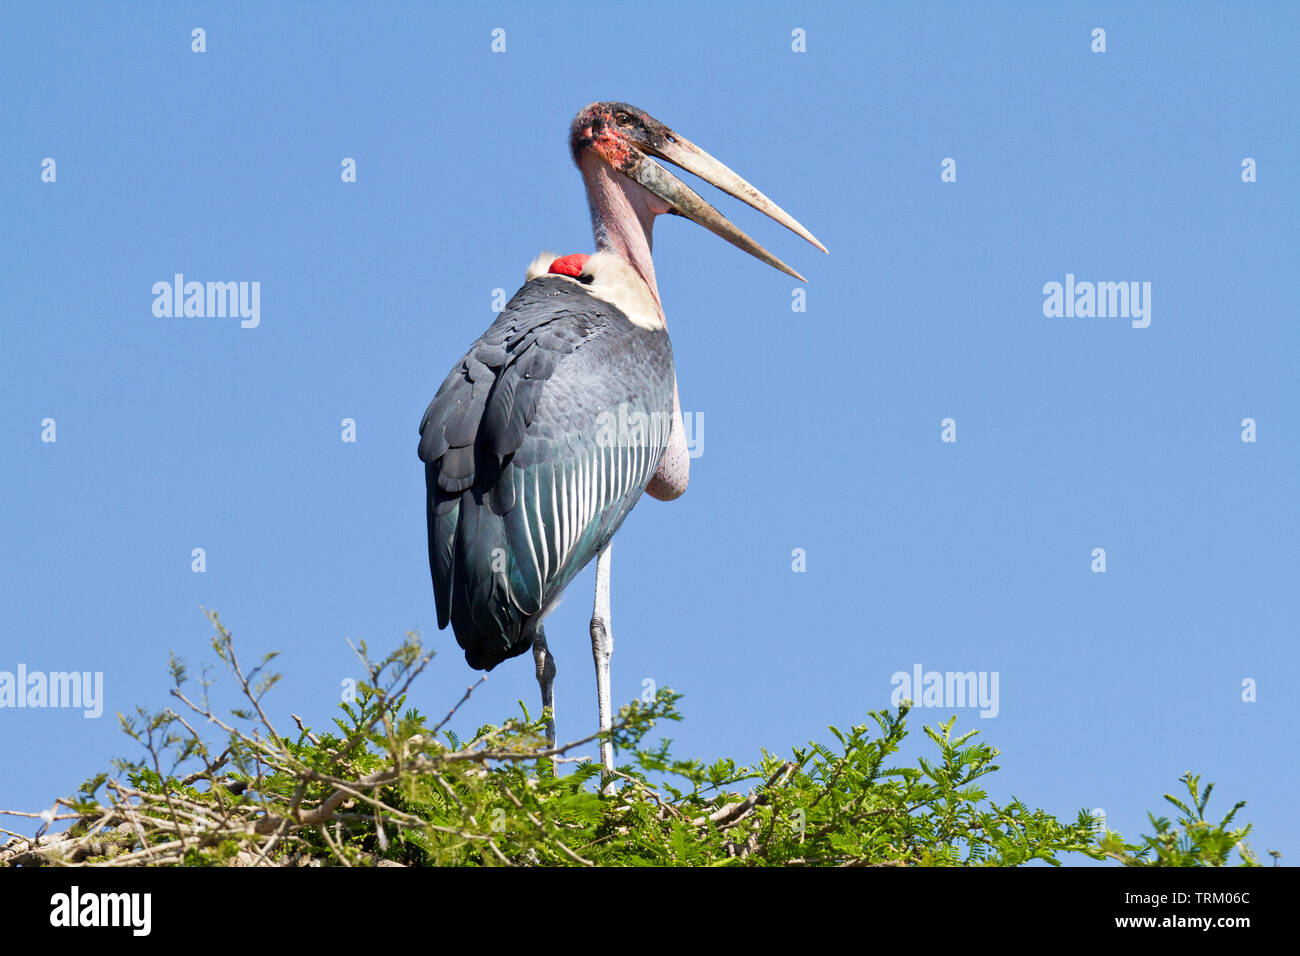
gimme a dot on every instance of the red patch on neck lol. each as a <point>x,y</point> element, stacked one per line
<point>569,265</point>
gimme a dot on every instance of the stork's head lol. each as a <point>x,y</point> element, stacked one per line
<point>614,145</point>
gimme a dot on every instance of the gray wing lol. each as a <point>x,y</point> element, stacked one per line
<point>536,447</point>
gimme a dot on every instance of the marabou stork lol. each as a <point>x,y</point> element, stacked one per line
<point>544,435</point>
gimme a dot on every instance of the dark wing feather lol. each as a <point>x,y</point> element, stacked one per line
<point>530,467</point>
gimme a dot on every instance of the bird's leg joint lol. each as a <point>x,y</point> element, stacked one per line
<point>602,641</point>
<point>544,660</point>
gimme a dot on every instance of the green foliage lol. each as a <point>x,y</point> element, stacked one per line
<point>385,786</point>
<point>1194,842</point>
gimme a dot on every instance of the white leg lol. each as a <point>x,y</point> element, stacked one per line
<point>545,679</point>
<point>602,649</point>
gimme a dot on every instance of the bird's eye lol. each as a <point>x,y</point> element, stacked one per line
<point>622,119</point>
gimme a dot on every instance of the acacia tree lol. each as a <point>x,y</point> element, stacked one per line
<point>385,787</point>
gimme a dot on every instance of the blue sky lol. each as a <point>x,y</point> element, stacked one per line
<point>822,429</point>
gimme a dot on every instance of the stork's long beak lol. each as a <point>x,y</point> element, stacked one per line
<point>684,201</point>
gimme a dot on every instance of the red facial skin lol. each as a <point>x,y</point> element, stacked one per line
<point>597,127</point>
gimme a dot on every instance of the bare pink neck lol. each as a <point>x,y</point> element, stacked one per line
<point>622,218</point>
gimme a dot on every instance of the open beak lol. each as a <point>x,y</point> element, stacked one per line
<point>684,201</point>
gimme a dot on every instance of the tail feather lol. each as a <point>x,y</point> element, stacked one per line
<point>488,625</point>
